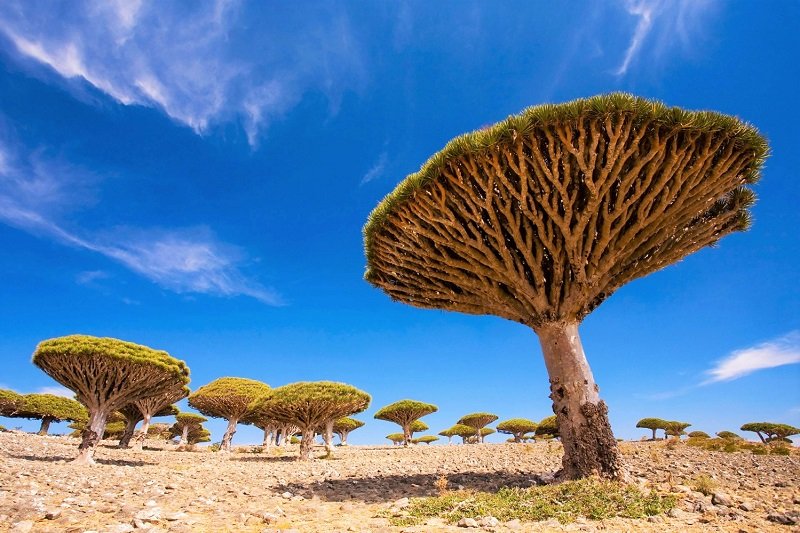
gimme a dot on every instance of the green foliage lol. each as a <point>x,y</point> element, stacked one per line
<point>548,426</point>
<point>728,435</point>
<point>704,484</point>
<point>10,402</point>
<point>674,428</point>
<point>215,447</point>
<point>396,437</point>
<point>699,435</point>
<point>189,419</point>
<point>294,440</point>
<point>652,423</point>
<point>405,411</point>
<point>52,407</point>
<point>591,498</point>
<point>227,397</point>
<point>114,430</point>
<point>449,432</point>
<point>346,424</point>
<point>463,431</point>
<point>517,427</point>
<point>425,439</point>
<point>477,420</point>
<point>771,430</point>
<point>534,119</point>
<point>310,404</point>
<point>418,426</point>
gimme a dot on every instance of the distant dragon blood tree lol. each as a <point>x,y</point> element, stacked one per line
<point>675,428</point>
<point>106,375</point>
<point>133,416</point>
<point>10,402</point>
<point>227,398</point>
<point>310,405</point>
<point>158,405</point>
<point>540,218</point>
<point>653,424</point>
<point>449,433</point>
<point>344,426</point>
<point>404,413</point>
<point>517,428</point>
<point>770,431</point>
<point>547,427</point>
<point>185,424</point>
<point>50,408</point>
<point>425,439</point>
<point>478,421</point>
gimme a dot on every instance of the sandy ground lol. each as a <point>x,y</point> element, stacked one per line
<point>162,489</point>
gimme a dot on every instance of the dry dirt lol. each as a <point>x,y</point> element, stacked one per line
<point>162,489</point>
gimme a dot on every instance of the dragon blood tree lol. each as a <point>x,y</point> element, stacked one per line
<point>106,375</point>
<point>547,428</point>
<point>675,428</point>
<point>653,424</point>
<point>185,424</point>
<point>540,218</point>
<point>344,426</point>
<point>396,438</point>
<point>152,406</point>
<point>465,432</point>
<point>133,416</point>
<point>404,413</point>
<point>417,426</point>
<point>189,436</point>
<point>770,431</point>
<point>50,408</point>
<point>227,398</point>
<point>425,439</point>
<point>449,433</point>
<point>10,402</point>
<point>478,421</point>
<point>517,428</point>
<point>265,424</point>
<point>310,405</point>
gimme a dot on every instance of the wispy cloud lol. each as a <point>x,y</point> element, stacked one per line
<point>377,169</point>
<point>778,352</point>
<point>34,191</point>
<point>663,24</point>
<point>186,61</point>
<point>57,390</point>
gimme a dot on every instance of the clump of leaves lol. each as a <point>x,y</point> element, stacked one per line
<point>592,498</point>
<point>215,447</point>
<point>704,484</point>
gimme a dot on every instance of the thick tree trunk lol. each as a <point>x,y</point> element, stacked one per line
<point>306,443</point>
<point>269,437</point>
<point>343,438</point>
<point>406,435</point>
<point>225,445</point>
<point>184,436</point>
<point>589,444</point>
<point>328,437</point>
<point>127,435</point>
<point>141,435</point>
<point>654,434</point>
<point>449,440</point>
<point>45,427</point>
<point>91,436</point>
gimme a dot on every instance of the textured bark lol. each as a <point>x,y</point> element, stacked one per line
<point>589,445</point>
<point>184,436</point>
<point>225,445</point>
<point>343,437</point>
<point>141,435</point>
<point>306,443</point>
<point>406,435</point>
<point>328,436</point>
<point>91,435</point>
<point>45,427</point>
<point>127,435</point>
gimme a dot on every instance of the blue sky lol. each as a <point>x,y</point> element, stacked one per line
<point>195,176</point>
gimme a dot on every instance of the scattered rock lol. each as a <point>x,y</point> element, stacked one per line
<point>52,514</point>
<point>747,506</point>
<point>787,519</point>
<point>680,514</point>
<point>22,527</point>
<point>287,495</point>
<point>174,517</point>
<point>488,521</point>
<point>721,498</point>
<point>467,522</point>
<point>402,503</point>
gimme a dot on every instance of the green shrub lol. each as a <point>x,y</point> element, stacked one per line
<point>703,484</point>
<point>215,447</point>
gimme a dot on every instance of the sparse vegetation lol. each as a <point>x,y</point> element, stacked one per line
<point>703,484</point>
<point>699,435</point>
<point>591,498</point>
<point>425,439</point>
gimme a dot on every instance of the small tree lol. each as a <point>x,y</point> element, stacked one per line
<point>465,432</point>
<point>425,439</point>
<point>541,217</point>
<point>113,430</point>
<point>652,424</point>
<point>730,435</point>
<point>344,426</point>
<point>153,404</point>
<point>675,428</point>
<point>228,398</point>
<point>449,433</point>
<point>517,427</point>
<point>10,402</point>
<point>311,405</point>
<point>478,421</point>
<point>548,427</point>
<point>50,408</point>
<point>133,416</point>
<point>185,424</point>
<point>770,431</point>
<point>396,438</point>
<point>106,375</point>
<point>417,426</point>
<point>404,413</point>
<point>699,435</point>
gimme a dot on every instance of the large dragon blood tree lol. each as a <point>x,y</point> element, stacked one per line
<point>106,375</point>
<point>227,398</point>
<point>540,218</point>
<point>50,408</point>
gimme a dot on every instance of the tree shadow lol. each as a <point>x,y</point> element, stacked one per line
<point>376,489</point>
<point>266,459</point>
<point>56,458</point>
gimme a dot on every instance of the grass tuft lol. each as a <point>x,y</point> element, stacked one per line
<point>591,498</point>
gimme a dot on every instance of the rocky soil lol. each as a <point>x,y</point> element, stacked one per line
<point>161,489</point>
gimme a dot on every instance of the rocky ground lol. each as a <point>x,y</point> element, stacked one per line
<point>162,489</point>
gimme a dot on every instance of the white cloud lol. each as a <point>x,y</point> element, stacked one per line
<point>186,60</point>
<point>663,25</point>
<point>376,170</point>
<point>34,191</point>
<point>779,352</point>
<point>56,390</point>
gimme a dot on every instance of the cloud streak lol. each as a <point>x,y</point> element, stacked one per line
<point>377,169</point>
<point>778,352</point>
<point>662,25</point>
<point>186,61</point>
<point>34,191</point>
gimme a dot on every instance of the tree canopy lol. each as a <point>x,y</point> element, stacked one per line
<point>771,431</point>
<point>517,427</point>
<point>477,420</point>
<point>417,426</point>
<point>10,402</point>
<point>346,423</point>
<point>227,397</point>
<point>107,374</point>
<point>674,428</point>
<point>404,413</point>
<point>425,439</point>
<point>547,426</point>
<point>728,435</point>
<point>699,435</point>
<point>395,437</point>
<point>50,408</point>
